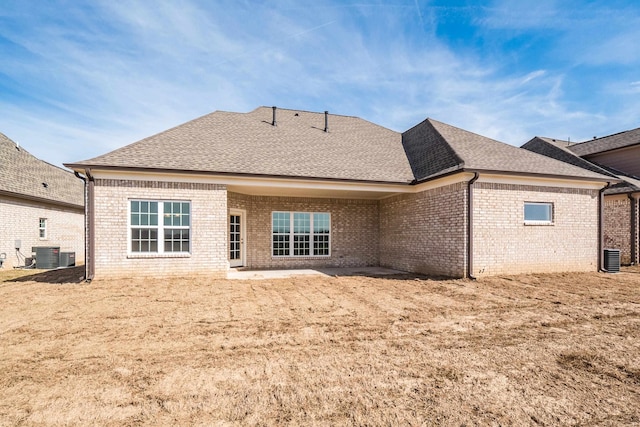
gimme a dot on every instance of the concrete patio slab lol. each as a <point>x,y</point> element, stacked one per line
<point>236,274</point>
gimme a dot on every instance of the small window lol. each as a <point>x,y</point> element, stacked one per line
<point>538,213</point>
<point>42,228</point>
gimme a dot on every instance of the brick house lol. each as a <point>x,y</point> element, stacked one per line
<point>40,205</point>
<point>617,156</point>
<point>278,188</point>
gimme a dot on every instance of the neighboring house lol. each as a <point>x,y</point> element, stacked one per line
<point>287,189</point>
<point>619,157</point>
<point>40,205</point>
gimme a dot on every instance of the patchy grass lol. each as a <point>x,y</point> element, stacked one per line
<point>559,349</point>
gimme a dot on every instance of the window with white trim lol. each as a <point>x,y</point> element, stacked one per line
<point>42,228</point>
<point>160,227</point>
<point>298,234</point>
<point>538,213</point>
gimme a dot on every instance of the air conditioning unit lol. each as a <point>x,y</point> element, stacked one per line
<point>47,257</point>
<point>67,259</point>
<point>612,260</point>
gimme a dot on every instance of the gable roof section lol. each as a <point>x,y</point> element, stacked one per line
<point>248,144</point>
<point>435,148</point>
<point>23,175</point>
<point>607,143</point>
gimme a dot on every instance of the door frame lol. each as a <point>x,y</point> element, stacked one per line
<point>243,237</point>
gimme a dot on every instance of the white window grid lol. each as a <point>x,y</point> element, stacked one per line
<point>300,234</point>
<point>159,227</point>
<point>42,228</point>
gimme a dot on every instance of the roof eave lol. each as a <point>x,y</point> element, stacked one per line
<point>546,175</point>
<point>41,200</point>
<point>603,179</point>
<point>82,167</point>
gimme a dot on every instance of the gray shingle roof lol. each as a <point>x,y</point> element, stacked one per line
<point>607,143</point>
<point>247,143</point>
<point>353,149</point>
<point>23,175</point>
<point>435,148</point>
<point>561,150</point>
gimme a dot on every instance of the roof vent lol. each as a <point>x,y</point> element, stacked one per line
<point>273,122</point>
<point>326,121</point>
<point>45,185</point>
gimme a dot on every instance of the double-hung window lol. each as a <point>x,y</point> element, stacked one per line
<point>160,227</point>
<point>42,228</point>
<point>297,234</point>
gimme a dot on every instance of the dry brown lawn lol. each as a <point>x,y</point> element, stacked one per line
<point>561,349</point>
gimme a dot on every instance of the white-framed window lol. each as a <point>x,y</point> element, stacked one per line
<point>538,213</point>
<point>42,228</point>
<point>159,227</point>
<point>300,234</point>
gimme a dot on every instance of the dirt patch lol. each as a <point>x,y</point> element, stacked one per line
<point>558,349</point>
<point>60,275</point>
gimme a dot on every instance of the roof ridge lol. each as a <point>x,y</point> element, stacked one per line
<point>453,150</point>
<point>606,136</point>
<point>307,111</point>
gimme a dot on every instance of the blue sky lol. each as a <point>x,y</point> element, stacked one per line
<point>78,79</point>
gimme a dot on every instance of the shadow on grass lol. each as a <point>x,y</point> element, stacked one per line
<point>60,275</point>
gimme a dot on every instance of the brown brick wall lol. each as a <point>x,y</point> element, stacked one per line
<point>617,226</point>
<point>425,232</point>
<point>636,234</point>
<point>208,229</point>
<point>354,230</point>
<point>20,219</point>
<point>503,244</point>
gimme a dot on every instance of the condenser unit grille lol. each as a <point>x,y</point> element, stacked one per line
<point>612,260</point>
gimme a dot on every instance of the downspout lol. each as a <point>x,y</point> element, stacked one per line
<point>90,262</point>
<point>470,275</point>
<point>634,228</point>
<point>601,228</point>
<point>85,219</point>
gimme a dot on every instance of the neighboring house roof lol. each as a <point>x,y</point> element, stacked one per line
<point>435,148</point>
<point>562,150</point>
<point>25,176</point>
<point>628,184</point>
<point>352,149</point>
<point>607,143</point>
<point>247,143</point>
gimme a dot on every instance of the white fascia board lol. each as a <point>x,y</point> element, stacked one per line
<point>250,181</point>
<point>267,185</point>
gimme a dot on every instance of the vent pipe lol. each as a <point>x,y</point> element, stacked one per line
<point>326,121</point>
<point>273,122</point>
